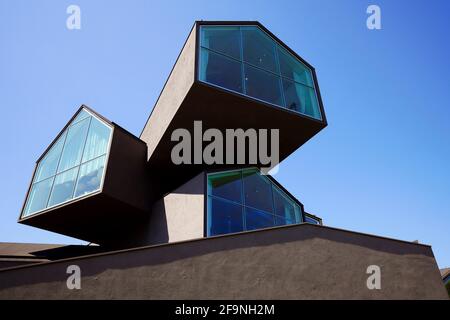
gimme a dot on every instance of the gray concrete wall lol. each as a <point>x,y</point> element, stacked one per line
<point>291,262</point>
<point>177,86</point>
<point>178,216</point>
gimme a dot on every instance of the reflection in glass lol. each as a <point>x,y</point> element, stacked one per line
<point>257,191</point>
<point>259,49</point>
<point>256,219</point>
<point>248,61</point>
<point>264,204</point>
<point>227,185</point>
<point>283,206</point>
<point>38,196</point>
<point>220,70</point>
<point>263,85</point>
<point>47,166</point>
<point>97,140</point>
<point>293,69</point>
<point>73,147</point>
<point>81,147</point>
<point>63,186</point>
<point>226,217</point>
<point>225,40</point>
<point>301,98</point>
<point>90,176</point>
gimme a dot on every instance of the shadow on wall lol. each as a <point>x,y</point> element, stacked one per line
<point>306,236</point>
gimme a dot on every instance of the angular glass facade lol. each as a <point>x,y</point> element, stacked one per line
<point>73,166</point>
<point>244,199</point>
<point>246,60</point>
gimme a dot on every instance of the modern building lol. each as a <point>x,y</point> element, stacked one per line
<point>201,229</point>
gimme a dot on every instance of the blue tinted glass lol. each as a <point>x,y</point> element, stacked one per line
<point>223,39</point>
<point>90,176</point>
<point>257,191</point>
<point>225,217</point>
<point>301,98</point>
<point>255,219</point>
<point>47,166</point>
<point>83,114</point>
<point>97,140</point>
<point>259,49</point>
<point>309,219</point>
<point>226,185</point>
<point>38,196</point>
<point>279,221</point>
<point>220,70</point>
<point>293,68</point>
<point>263,85</point>
<point>283,206</point>
<point>63,186</point>
<point>73,148</point>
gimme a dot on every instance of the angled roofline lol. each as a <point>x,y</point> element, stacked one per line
<point>198,23</point>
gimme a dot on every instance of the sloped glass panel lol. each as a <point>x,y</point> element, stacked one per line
<point>259,49</point>
<point>301,98</point>
<point>83,114</point>
<point>293,69</point>
<point>227,185</point>
<point>257,191</point>
<point>47,166</point>
<point>83,148</point>
<point>97,140</point>
<point>264,204</point>
<point>222,39</point>
<point>63,186</point>
<point>90,176</point>
<point>220,71</point>
<point>283,206</point>
<point>225,217</point>
<point>73,148</point>
<point>263,85</point>
<point>311,220</point>
<point>256,219</point>
<point>38,196</point>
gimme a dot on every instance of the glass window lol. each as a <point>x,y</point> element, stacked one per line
<point>264,203</point>
<point>73,148</point>
<point>293,69</point>
<point>97,140</point>
<point>309,219</point>
<point>248,61</point>
<point>263,85</point>
<point>221,71</point>
<point>259,49</point>
<point>301,98</point>
<point>227,185</point>
<point>283,206</point>
<point>47,166</point>
<point>82,149</point>
<point>279,221</point>
<point>90,176</point>
<point>256,219</point>
<point>226,217</point>
<point>38,196</point>
<point>83,114</point>
<point>257,190</point>
<point>63,186</point>
<point>222,39</point>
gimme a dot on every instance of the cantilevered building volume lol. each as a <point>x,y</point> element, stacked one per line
<point>201,230</point>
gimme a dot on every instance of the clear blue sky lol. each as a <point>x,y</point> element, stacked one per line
<point>382,165</point>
